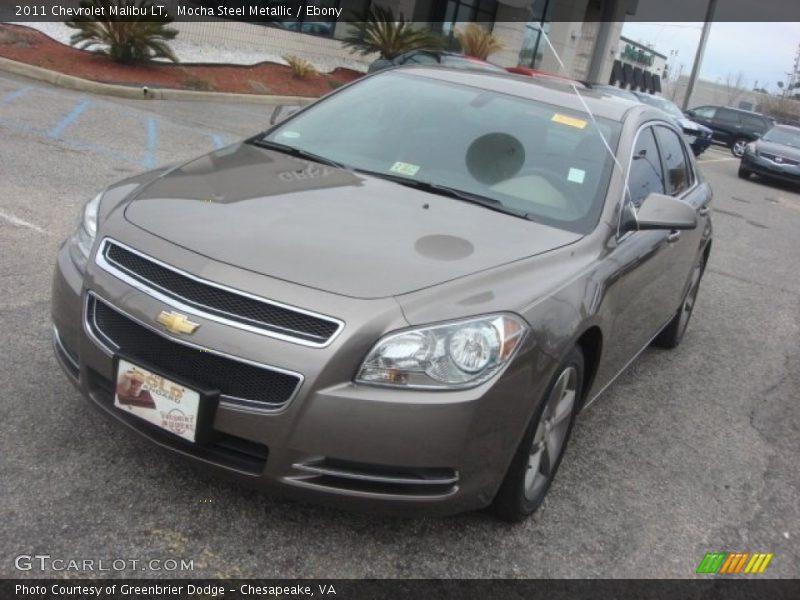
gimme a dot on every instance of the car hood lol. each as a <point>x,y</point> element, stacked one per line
<point>689,125</point>
<point>328,228</point>
<point>779,149</point>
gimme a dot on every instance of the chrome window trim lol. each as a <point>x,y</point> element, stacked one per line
<point>651,123</point>
<point>119,273</point>
<point>232,402</point>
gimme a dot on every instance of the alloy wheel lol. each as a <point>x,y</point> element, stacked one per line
<point>738,147</point>
<point>691,296</point>
<point>551,432</point>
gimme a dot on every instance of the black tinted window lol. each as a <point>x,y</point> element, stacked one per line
<point>754,123</point>
<point>679,174</point>
<point>727,116</point>
<point>645,175</point>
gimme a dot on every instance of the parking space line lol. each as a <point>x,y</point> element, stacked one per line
<point>149,160</point>
<point>217,141</point>
<point>706,160</point>
<point>68,119</point>
<point>10,97</point>
<point>20,222</point>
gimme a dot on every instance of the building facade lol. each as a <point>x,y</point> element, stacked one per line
<point>576,38</point>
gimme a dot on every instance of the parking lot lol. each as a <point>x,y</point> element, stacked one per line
<point>691,451</point>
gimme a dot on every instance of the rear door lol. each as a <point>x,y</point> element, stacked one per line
<point>682,183</point>
<point>647,292</point>
<point>727,125</point>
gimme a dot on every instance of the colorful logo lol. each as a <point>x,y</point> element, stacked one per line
<point>733,563</point>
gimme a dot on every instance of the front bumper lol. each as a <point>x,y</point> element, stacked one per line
<point>353,446</point>
<point>767,168</point>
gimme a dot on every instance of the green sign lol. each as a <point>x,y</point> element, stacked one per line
<point>637,55</point>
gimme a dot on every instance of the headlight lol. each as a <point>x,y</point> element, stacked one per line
<point>86,231</point>
<point>453,355</point>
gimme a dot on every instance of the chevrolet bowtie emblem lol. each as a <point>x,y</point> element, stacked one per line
<point>176,322</point>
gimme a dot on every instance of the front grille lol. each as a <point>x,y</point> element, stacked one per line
<point>236,381</point>
<point>780,160</point>
<point>222,303</point>
<point>222,449</point>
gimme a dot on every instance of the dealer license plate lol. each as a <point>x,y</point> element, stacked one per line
<point>156,399</point>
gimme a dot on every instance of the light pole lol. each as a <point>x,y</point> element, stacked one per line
<point>701,48</point>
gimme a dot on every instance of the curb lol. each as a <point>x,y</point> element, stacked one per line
<point>137,93</point>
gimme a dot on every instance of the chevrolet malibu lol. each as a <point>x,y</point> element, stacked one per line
<point>398,298</point>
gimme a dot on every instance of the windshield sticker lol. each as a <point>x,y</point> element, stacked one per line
<point>290,134</point>
<point>576,175</point>
<point>404,168</point>
<point>566,120</point>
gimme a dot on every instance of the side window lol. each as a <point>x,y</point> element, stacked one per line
<point>754,123</point>
<point>645,175</point>
<point>707,112</point>
<point>678,170</point>
<point>727,117</point>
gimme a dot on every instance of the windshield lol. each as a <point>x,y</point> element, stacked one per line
<point>662,103</point>
<point>543,162</point>
<point>782,135</point>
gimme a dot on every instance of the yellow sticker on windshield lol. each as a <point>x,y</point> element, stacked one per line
<point>404,168</point>
<point>566,120</point>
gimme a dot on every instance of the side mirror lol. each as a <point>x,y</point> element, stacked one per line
<point>665,212</point>
<point>689,113</point>
<point>283,112</point>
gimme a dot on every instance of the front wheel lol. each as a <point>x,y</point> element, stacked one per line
<point>737,148</point>
<point>743,173</point>
<point>539,454</point>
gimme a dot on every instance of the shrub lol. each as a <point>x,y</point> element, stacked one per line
<point>300,67</point>
<point>127,40</point>
<point>377,30</point>
<point>477,41</point>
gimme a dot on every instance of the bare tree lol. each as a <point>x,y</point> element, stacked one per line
<point>733,87</point>
<point>674,78</point>
<point>785,110</point>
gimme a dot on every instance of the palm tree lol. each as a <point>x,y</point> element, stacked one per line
<point>125,39</point>
<point>378,30</point>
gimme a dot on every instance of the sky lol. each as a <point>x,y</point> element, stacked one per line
<point>762,52</point>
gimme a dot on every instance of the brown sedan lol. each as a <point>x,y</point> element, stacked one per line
<point>398,298</point>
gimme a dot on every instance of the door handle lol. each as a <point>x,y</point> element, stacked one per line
<point>673,237</point>
<point>702,211</point>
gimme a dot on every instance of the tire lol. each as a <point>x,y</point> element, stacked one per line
<point>522,491</point>
<point>671,336</point>
<point>737,147</point>
<point>743,173</point>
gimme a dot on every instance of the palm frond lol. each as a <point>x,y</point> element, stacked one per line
<point>377,29</point>
<point>126,39</point>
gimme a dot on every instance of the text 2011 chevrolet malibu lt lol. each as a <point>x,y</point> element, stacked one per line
<point>398,298</point>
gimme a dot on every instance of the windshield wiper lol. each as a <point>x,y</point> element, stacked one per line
<point>444,190</point>
<point>296,152</point>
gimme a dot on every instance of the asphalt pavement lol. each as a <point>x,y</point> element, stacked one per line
<point>691,451</point>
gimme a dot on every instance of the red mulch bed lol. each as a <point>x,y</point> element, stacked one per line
<point>33,47</point>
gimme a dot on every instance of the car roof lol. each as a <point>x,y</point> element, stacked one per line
<point>733,108</point>
<point>547,90</point>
